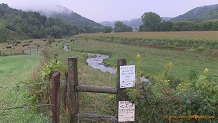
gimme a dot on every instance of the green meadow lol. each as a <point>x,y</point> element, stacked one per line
<point>153,60</point>
<point>14,72</point>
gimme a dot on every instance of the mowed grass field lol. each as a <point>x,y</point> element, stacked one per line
<point>15,70</point>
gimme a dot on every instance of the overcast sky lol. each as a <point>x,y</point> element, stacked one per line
<point>113,10</point>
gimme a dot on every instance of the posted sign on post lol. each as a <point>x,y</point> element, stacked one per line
<point>127,76</point>
<point>126,111</point>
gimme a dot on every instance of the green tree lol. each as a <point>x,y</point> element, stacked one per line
<point>107,29</point>
<point>120,27</point>
<point>3,9</point>
<point>215,25</point>
<point>151,21</point>
<point>184,26</point>
<point>205,25</point>
<point>166,26</point>
<point>3,33</point>
<point>55,31</point>
<point>50,39</point>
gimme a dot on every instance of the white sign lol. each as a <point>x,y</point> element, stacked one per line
<point>126,111</point>
<point>127,76</point>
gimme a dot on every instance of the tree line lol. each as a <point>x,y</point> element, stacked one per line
<point>38,26</point>
<point>119,27</point>
<point>152,22</point>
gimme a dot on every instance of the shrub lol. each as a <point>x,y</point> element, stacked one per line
<point>157,100</point>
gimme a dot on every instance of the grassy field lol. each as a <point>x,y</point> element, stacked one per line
<point>89,102</point>
<point>153,60</point>
<point>186,35</point>
<point>200,40</point>
<point>15,70</point>
<point>152,63</point>
<point>33,46</point>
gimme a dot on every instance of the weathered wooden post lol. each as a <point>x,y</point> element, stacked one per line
<point>72,93</point>
<point>55,97</point>
<point>125,109</point>
<point>65,91</point>
<point>121,95</point>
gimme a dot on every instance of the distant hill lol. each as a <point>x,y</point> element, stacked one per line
<point>32,24</point>
<point>66,14</point>
<point>199,14</point>
<point>133,23</point>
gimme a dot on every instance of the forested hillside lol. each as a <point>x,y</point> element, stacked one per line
<point>73,18</point>
<point>69,16</point>
<point>199,14</point>
<point>32,24</point>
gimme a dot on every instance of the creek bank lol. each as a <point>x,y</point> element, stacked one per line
<point>97,63</point>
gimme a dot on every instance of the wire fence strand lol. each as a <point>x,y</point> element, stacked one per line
<point>26,106</point>
<point>26,84</point>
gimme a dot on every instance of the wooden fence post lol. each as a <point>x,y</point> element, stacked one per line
<point>121,95</point>
<point>65,91</point>
<point>55,97</point>
<point>0,53</point>
<point>73,94</point>
<point>121,92</point>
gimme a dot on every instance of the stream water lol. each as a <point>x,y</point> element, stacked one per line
<point>66,47</point>
<point>97,63</point>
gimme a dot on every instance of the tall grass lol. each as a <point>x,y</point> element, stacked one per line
<point>16,70</point>
<point>190,39</point>
<point>153,59</point>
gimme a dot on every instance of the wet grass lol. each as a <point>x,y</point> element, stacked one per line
<point>153,60</point>
<point>200,40</point>
<point>16,70</point>
<point>89,102</point>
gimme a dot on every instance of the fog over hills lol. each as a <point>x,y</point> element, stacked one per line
<point>133,23</point>
<point>58,11</point>
<point>197,14</point>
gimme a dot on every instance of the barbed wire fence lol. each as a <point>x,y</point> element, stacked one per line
<point>54,102</point>
<point>68,87</point>
<point>29,51</point>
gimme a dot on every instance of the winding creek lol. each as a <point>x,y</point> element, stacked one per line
<point>97,63</point>
<point>66,47</point>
